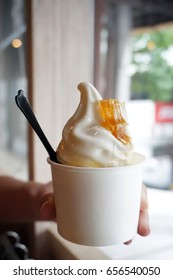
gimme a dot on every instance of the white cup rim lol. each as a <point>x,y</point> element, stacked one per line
<point>139,160</point>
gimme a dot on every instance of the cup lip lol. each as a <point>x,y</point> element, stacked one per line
<point>141,159</point>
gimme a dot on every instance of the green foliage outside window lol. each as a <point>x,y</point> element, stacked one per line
<point>152,64</point>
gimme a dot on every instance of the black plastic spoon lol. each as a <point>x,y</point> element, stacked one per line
<point>23,104</point>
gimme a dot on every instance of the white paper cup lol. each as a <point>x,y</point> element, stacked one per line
<point>97,206</point>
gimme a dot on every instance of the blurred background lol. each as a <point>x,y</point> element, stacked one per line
<point>125,48</point>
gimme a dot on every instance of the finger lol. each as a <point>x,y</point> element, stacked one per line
<point>47,210</point>
<point>128,242</point>
<point>143,225</point>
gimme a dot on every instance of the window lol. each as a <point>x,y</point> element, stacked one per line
<point>134,59</point>
<point>13,128</point>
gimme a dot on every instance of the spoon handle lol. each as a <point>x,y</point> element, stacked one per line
<point>23,104</point>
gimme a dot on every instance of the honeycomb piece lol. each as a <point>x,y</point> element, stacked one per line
<point>111,119</point>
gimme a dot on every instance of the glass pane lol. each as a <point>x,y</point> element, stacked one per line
<point>134,63</point>
<point>13,127</point>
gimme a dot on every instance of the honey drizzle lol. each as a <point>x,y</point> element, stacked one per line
<point>112,119</point>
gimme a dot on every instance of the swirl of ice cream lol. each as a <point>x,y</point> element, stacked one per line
<point>86,142</point>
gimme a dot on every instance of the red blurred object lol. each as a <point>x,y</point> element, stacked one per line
<point>164,112</point>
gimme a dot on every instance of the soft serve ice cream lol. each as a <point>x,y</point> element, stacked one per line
<point>96,135</point>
